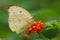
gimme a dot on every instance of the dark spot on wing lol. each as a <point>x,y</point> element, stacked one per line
<point>20,11</point>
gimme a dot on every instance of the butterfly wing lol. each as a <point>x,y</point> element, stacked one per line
<point>19,19</point>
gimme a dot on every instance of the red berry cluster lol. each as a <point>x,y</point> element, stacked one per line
<point>35,27</point>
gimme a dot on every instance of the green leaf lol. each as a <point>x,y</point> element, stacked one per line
<point>50,33</point>
<point>46,15</point>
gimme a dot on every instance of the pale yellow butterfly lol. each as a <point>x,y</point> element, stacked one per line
<point>19,19</point>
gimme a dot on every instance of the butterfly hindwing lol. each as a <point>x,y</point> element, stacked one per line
<point>19,19</point>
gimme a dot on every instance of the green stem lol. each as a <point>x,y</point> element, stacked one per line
<point>41,35</point>
<point>25,39</point>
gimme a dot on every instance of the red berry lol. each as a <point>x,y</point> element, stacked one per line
<point>34,31</point>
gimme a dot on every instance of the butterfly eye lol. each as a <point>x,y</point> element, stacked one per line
<point>33,16</point>
<point>20,11</point>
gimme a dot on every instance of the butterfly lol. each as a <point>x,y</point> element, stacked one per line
<point>19,19</point>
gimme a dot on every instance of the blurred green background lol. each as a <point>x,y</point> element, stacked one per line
<point>45,10</point>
